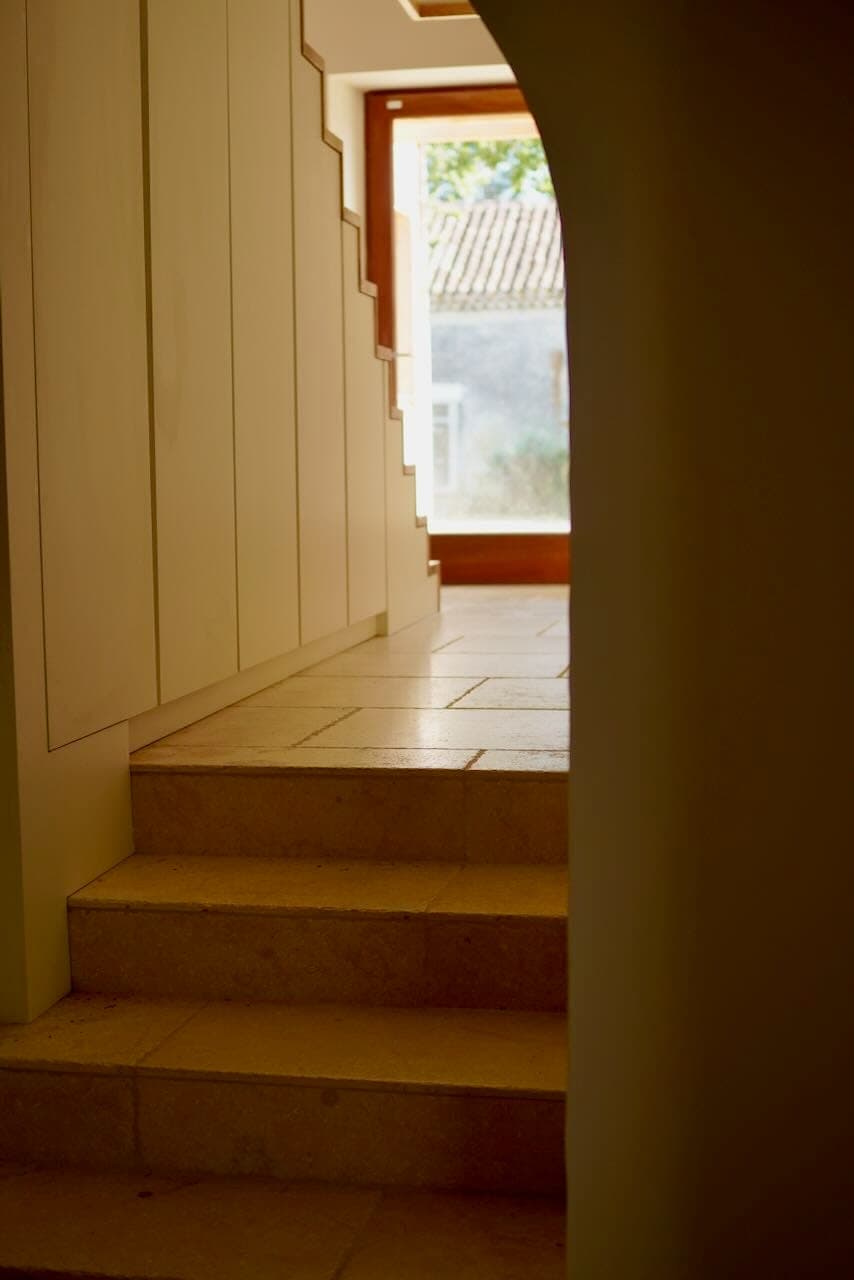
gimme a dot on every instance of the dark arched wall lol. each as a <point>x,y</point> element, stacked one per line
<point>702,157</point>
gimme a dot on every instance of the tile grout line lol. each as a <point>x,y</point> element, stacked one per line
<point>135,1077</point>
<point>201,1005</point>
<point>349,1252</point>
<point>440,647</point>
<point>452,879</point>
<point>137,1136</point>
<point>454,701</point>
<point>351,711</point>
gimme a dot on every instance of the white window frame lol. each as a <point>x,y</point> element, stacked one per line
<point>450,396</point>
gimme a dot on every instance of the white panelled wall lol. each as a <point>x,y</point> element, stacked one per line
<point>204,487</point>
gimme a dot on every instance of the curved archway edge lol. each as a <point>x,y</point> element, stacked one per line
<point>700,162</point>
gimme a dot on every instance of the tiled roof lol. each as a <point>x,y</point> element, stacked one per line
<point>495,254</point>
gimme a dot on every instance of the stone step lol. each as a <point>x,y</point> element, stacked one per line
<point>453,814</point>
<point>64,1223</point>
<point>444,1098</point>
<point>300,931</point>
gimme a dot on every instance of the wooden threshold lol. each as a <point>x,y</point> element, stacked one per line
<point>502,557</point>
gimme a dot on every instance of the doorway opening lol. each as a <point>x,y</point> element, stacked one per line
<point>464,244</point>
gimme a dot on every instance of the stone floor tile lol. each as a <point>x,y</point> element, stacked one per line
<point>509,891</point>
<point>223,955</point>
<point>70,1221</point>
<point>366,813</point>
<point>539,695</point>
<point>354,1136</point>
<point>479,665</point>
<point>67,1117</point>
<point>435,1236</point>
<point>266,886</point>
<point>522,762</point>
<point>93,1033</point>
<point>244,726</point>
<point>521,730</point>
<point>489,642</point>
<point>437,1050</point>
<point>362,691</point>
<point>559,628</point>
<point>297,759</point>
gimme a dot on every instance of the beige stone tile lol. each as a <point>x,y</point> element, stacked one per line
<point>352,1136</point>
<point>92,1033</point>
<point>523,730</point>
<point>489,963</point>
<point>355,662</point>
<point>66,1117</point>
<point>361,691</point>
<point>516,632</point>
<point>559,628</point>
<point>364,813</point>
<point>537,695</point>
<point>433,1050</point>
<point>255,727</point>
<point>489,642</point>
<point>212,955</point>
<point>266,885</point>
<point>298,759</point>
<point>420,638</point>
<point>516,604</point>
<point>515,629</point>
<point>135,1224</point>
<point>516,818</point>
<point>523,761</point>
<point>496,963</point>
<point>490,941</point>
<point>435,1236</point>
<point>547,591</point>
<point>523,891</point>
<point>518,612</point>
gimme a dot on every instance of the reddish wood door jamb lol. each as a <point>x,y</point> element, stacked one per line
<point>474,557</point>
<point>502,557</point>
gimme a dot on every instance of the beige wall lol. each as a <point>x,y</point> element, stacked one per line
<point>194,424</point>
<point>379,35</point>
<point>345,109</point>
<point>376,44</point>
<point>702,162</point>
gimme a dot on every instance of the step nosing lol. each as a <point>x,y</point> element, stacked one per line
<point>443,916</point>
<point>543,777</point>
<point>238,909</point>
<point>279,1079</point>
<point>383,1084</point>
<point>66,1067</point>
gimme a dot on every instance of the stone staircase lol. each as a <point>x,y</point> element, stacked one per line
<point>353,978</point>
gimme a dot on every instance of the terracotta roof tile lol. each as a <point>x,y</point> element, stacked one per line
<point>495,254</point>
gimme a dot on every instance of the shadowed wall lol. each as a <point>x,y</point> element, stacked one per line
<point>702,160</point>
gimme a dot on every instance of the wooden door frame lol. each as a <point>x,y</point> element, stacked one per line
<point>475,100</point>
<point>466,557</point>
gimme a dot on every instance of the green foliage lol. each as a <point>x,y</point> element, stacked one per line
<point>531,480</point>
<point>506,169</point>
